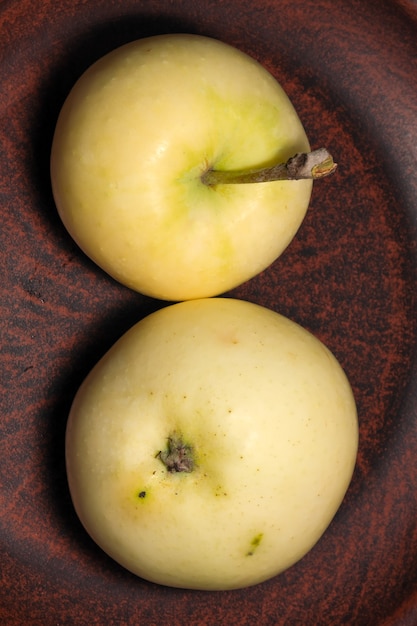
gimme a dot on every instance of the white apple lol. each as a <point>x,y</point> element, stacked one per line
<point>134,138</point>
<point>212,445</point>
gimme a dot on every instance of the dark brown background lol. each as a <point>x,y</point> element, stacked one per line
<point>350,68</point>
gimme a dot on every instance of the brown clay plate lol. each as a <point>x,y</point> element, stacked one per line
<point>350,68</point>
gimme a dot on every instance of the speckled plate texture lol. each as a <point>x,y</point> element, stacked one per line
<point>350,68</point>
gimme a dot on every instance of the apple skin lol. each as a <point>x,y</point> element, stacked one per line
<point>272,421</point>
<point>135,135</point>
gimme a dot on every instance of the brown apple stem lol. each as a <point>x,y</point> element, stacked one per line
<point>312,165</point>
<point>178,456</point>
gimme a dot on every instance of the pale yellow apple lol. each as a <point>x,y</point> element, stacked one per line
<point>263,424</point>
<point>134,137</point>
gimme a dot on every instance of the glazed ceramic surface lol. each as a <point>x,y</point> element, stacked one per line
<point>350,68</point>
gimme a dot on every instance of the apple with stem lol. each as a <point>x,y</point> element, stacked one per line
<point>211,447</point>
<point>152,157</point>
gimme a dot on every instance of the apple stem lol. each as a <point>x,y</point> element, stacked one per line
<point>313,165</point>
<point>178,456</point>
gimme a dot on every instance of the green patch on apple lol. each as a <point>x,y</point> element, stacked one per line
<point>254,544</point>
